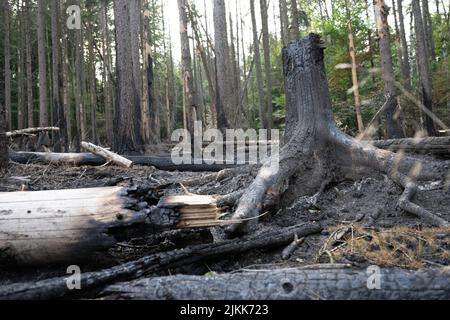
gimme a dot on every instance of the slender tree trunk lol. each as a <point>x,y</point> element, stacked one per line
<point>354,69</point>
<point>295,21</point>
<point>92,84</point>
<point>223,92</point>
<point>259,76</point>
<point>59,119</point>
<point>4,156</point>
<point>428,27</point>
<point>405,65</point>
<point>392,110</point>
<point>167,88</point>
<point>43,99</point>
<point>107,92</point>
<point>370,40</point>
<point>284,19</point>
<point>266,46</point>
<point>423,66</point>
<point>234,77</point>
<point>7,55</point>
<point>30,101</point>
<point>20,70</point>
<point>66,78</point>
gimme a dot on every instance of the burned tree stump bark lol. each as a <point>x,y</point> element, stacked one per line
<point>314,284</point>
<point>313,140</point>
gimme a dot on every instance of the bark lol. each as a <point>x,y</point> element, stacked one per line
<point>189,95</point>
<point>7,55</point>
<point>392,110</point>
<point>266,46</point>
<point>317,283</point>
<point>107,78</point>
<point>20,69</point>
<point>423,66</point>
<point>405,65</point>
<point>30,102</point>
<point>311,130</point>
<point>57,287</point>
<point>30,131</point>
<point>428,26</point>
<point>284,19</point>
<point>295,21</point>
<point>43,100</point>
<point>127,136</point>
<point>59,119</point>
<point>92,83</point>
<point>87,159</point>
<point>257,59</point>
<point>167,85</point>
<point>223,92</point>
<point>79,97</point>
<point>4,156</point>
<point>66,78</point>
<point>359,119</point>
<point>434,145</point>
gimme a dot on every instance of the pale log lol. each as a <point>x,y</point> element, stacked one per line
<point>30,131</point>
<point>109,156</point>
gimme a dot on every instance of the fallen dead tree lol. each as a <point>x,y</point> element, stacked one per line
<point>30,131</point>
<point>56,288</point>
<point>317,149</point>
<point>308,284</point>
<point>89,159</point>
<point>434,145</point>
<point>109,156</point>
<point>58,226</point>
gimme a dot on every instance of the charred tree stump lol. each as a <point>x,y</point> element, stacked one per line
<point>313,140</point>
<point>56,288</point>
<point>314,284</point>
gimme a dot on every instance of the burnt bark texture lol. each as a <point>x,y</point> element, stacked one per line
<point>311,133</point>
<point>56,288</point>
<point>3,140</point>
<point>313,284</point>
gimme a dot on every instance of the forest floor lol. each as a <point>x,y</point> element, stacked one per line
<point>363,225</point>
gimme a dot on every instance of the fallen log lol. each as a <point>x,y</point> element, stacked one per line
<point>30,131</point>
<point>315,284</point>
<point>57,288</point>
<point>55,227</point>
<point>109,156</point>
<point>89,159</point>
<point>434,145</point>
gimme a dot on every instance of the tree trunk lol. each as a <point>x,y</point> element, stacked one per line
<point>266,46</point>
<point>423,66</point>
<point>30,101</point>
<point>295,20</point>
<point>20,69</point>
<point>66,79</point>
<point>284,19</point>
<point>428,27</point>
<point>392,110</point>
<point>43,102</point>
<point>314,283</point>
<point>59,119</point>
<point>127,95</point>
<point>7,55</point>
<point>189,95</point>
<point>316,147</point>
<point>405,65</point>
<point>79,97</point>
<point>359,119</point>
<point>4,156</point>
<point>223,91</point>
<point>259,76</point>
<point>92,83</point>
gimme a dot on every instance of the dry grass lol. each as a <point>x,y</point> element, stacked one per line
<point>404,247</point>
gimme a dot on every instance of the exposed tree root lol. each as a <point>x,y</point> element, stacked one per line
<point>312,132</point>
